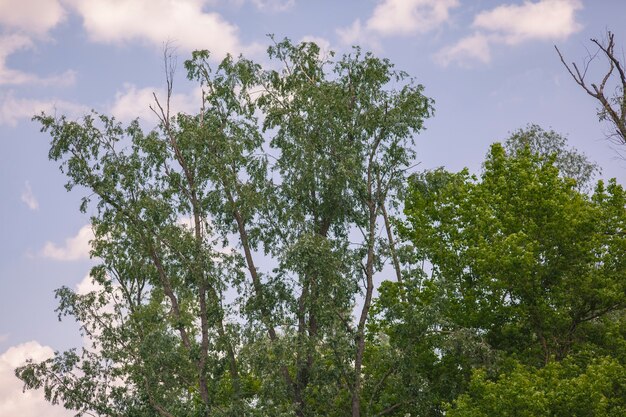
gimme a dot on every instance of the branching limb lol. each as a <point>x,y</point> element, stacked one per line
<point>612,107</point>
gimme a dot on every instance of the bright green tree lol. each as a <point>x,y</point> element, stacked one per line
<point>596,387</point>
<point>295,169</point>
<point>522,255</point>
<point>514,266</point>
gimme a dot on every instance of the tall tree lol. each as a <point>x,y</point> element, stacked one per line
<point>293,167</point>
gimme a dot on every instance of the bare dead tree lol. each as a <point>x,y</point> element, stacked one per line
<point>612,105</point>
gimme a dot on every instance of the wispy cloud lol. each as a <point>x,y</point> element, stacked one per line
<point>471,49</point>
<point>274,6</point>
<point>407,17</point>
<point>74,248</point>
<point>358,34</point>
<point>23,26</point>
<point>542,20</point>
<point>12,43</point>
<point>13,109</point>
<point>512,24</point>
<point>28,197</point>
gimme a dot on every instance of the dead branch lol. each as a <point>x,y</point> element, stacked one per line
<point>612,106</point>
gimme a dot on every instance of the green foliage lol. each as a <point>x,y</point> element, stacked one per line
<point>523,257</point>
<point>515,266</point>
<point>570,162</point>
<point>560,389</point>
<point>292,168</point>
<point>241,258</point>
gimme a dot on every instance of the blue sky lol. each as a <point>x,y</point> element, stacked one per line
<point>490,66</point>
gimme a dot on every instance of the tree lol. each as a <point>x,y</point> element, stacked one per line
<point>525,258</point>
<point>295,169</point>
<point>612,104</point>
<point>569,161</point>
<point>561,389</point>
<point>515,269</point>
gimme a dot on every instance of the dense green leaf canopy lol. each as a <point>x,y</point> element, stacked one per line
<point>519,285</point>
<point>237,244</point>
<point>248,264</point>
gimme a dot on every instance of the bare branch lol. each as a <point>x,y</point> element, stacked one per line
<point>613,107</point>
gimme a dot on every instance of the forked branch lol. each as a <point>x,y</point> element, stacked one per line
<point>612,107</point>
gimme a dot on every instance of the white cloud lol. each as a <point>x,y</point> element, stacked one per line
<point>24,24</point>
<point>28,197</point>
<point>75,248</point>
<point>397,18</point>
<point>13,109</point>
<point>406,17</point>
<point>352,34</point>
<point>466,51</point>
<point>542,20</point>
<point>135,102</point>
<point>184,22</point>
<point>512,24</point>
<point>32,16</point>
<point>16,42</point>
<point>14,402</point>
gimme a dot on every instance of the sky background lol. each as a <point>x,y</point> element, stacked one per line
<point>490,66</point>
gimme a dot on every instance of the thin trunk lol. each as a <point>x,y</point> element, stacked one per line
<point>232,360</point>
<point>204,287</point>
<point>169,292</point>
<point>392,244</point>
<point>302,374</point>
<point>165,281</point>
<point>372,205</point>
<point>360,336</point>
<point>307,329</point>
<point>256,281</point>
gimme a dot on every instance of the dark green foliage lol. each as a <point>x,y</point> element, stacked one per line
<point>292,167</point>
